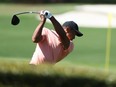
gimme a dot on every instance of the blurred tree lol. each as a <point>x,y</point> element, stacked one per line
<point>54,1</point>
<point>60,1</point>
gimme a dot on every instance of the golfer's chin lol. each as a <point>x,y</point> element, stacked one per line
<point>70,38</point>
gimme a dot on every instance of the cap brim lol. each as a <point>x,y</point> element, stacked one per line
<point>79,34</point>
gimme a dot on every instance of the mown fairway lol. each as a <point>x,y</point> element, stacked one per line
<point>15,41</point>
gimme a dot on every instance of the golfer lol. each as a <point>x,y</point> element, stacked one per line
<point>53,45</point>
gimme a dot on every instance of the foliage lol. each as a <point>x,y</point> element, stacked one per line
<point>59,1</point>
<point>20,74</point>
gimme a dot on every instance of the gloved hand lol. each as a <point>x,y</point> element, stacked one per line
<point>46,13</point>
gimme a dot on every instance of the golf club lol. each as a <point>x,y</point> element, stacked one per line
<point>15,20</point>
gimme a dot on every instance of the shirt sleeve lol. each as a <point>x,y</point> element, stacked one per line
<point>64,53</point>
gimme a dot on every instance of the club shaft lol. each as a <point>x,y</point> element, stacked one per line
<point>28,12</point>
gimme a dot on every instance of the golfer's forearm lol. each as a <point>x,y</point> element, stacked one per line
<point>57,27</point>
<point>37,33</point>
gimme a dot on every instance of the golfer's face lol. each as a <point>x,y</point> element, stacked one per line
<point>70,33</point>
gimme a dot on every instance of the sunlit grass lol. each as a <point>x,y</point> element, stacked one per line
<point>22,65</point>
<point>20,70</point>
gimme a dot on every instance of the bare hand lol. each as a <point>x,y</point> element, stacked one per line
<point>43,19</point>
<point>42,16</point>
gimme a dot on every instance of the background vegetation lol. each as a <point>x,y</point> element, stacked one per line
<point>61,1</point>
<point>19,74</point>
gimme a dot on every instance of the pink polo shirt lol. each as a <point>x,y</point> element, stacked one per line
<point>50,49</point>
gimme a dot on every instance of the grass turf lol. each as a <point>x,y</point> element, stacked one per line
<point>20,74</point>
<point>16,40</point>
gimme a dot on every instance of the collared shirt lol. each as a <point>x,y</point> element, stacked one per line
<point>50,48</point>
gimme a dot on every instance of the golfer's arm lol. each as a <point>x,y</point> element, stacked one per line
<point>61,32</point>
<point>36,37</point>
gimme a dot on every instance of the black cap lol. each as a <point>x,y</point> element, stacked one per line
<point>73,26</point>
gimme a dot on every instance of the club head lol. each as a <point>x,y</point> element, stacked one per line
<point>15,20</point>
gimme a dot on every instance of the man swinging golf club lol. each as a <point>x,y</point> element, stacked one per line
<point>53,45</point>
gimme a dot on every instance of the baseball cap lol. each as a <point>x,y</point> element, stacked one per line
<point>73,26</point>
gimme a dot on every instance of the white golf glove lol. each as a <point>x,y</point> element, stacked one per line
<point>46,13</point>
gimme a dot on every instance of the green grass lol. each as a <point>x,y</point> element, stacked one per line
<point>18,73</point>
<point>15,41</point>
<point>17,66</point>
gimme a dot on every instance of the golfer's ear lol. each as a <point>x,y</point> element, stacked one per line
<point>67,29</point>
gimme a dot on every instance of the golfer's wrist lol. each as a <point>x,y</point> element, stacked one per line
<point>52,18</point>
<point>42,21</point>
